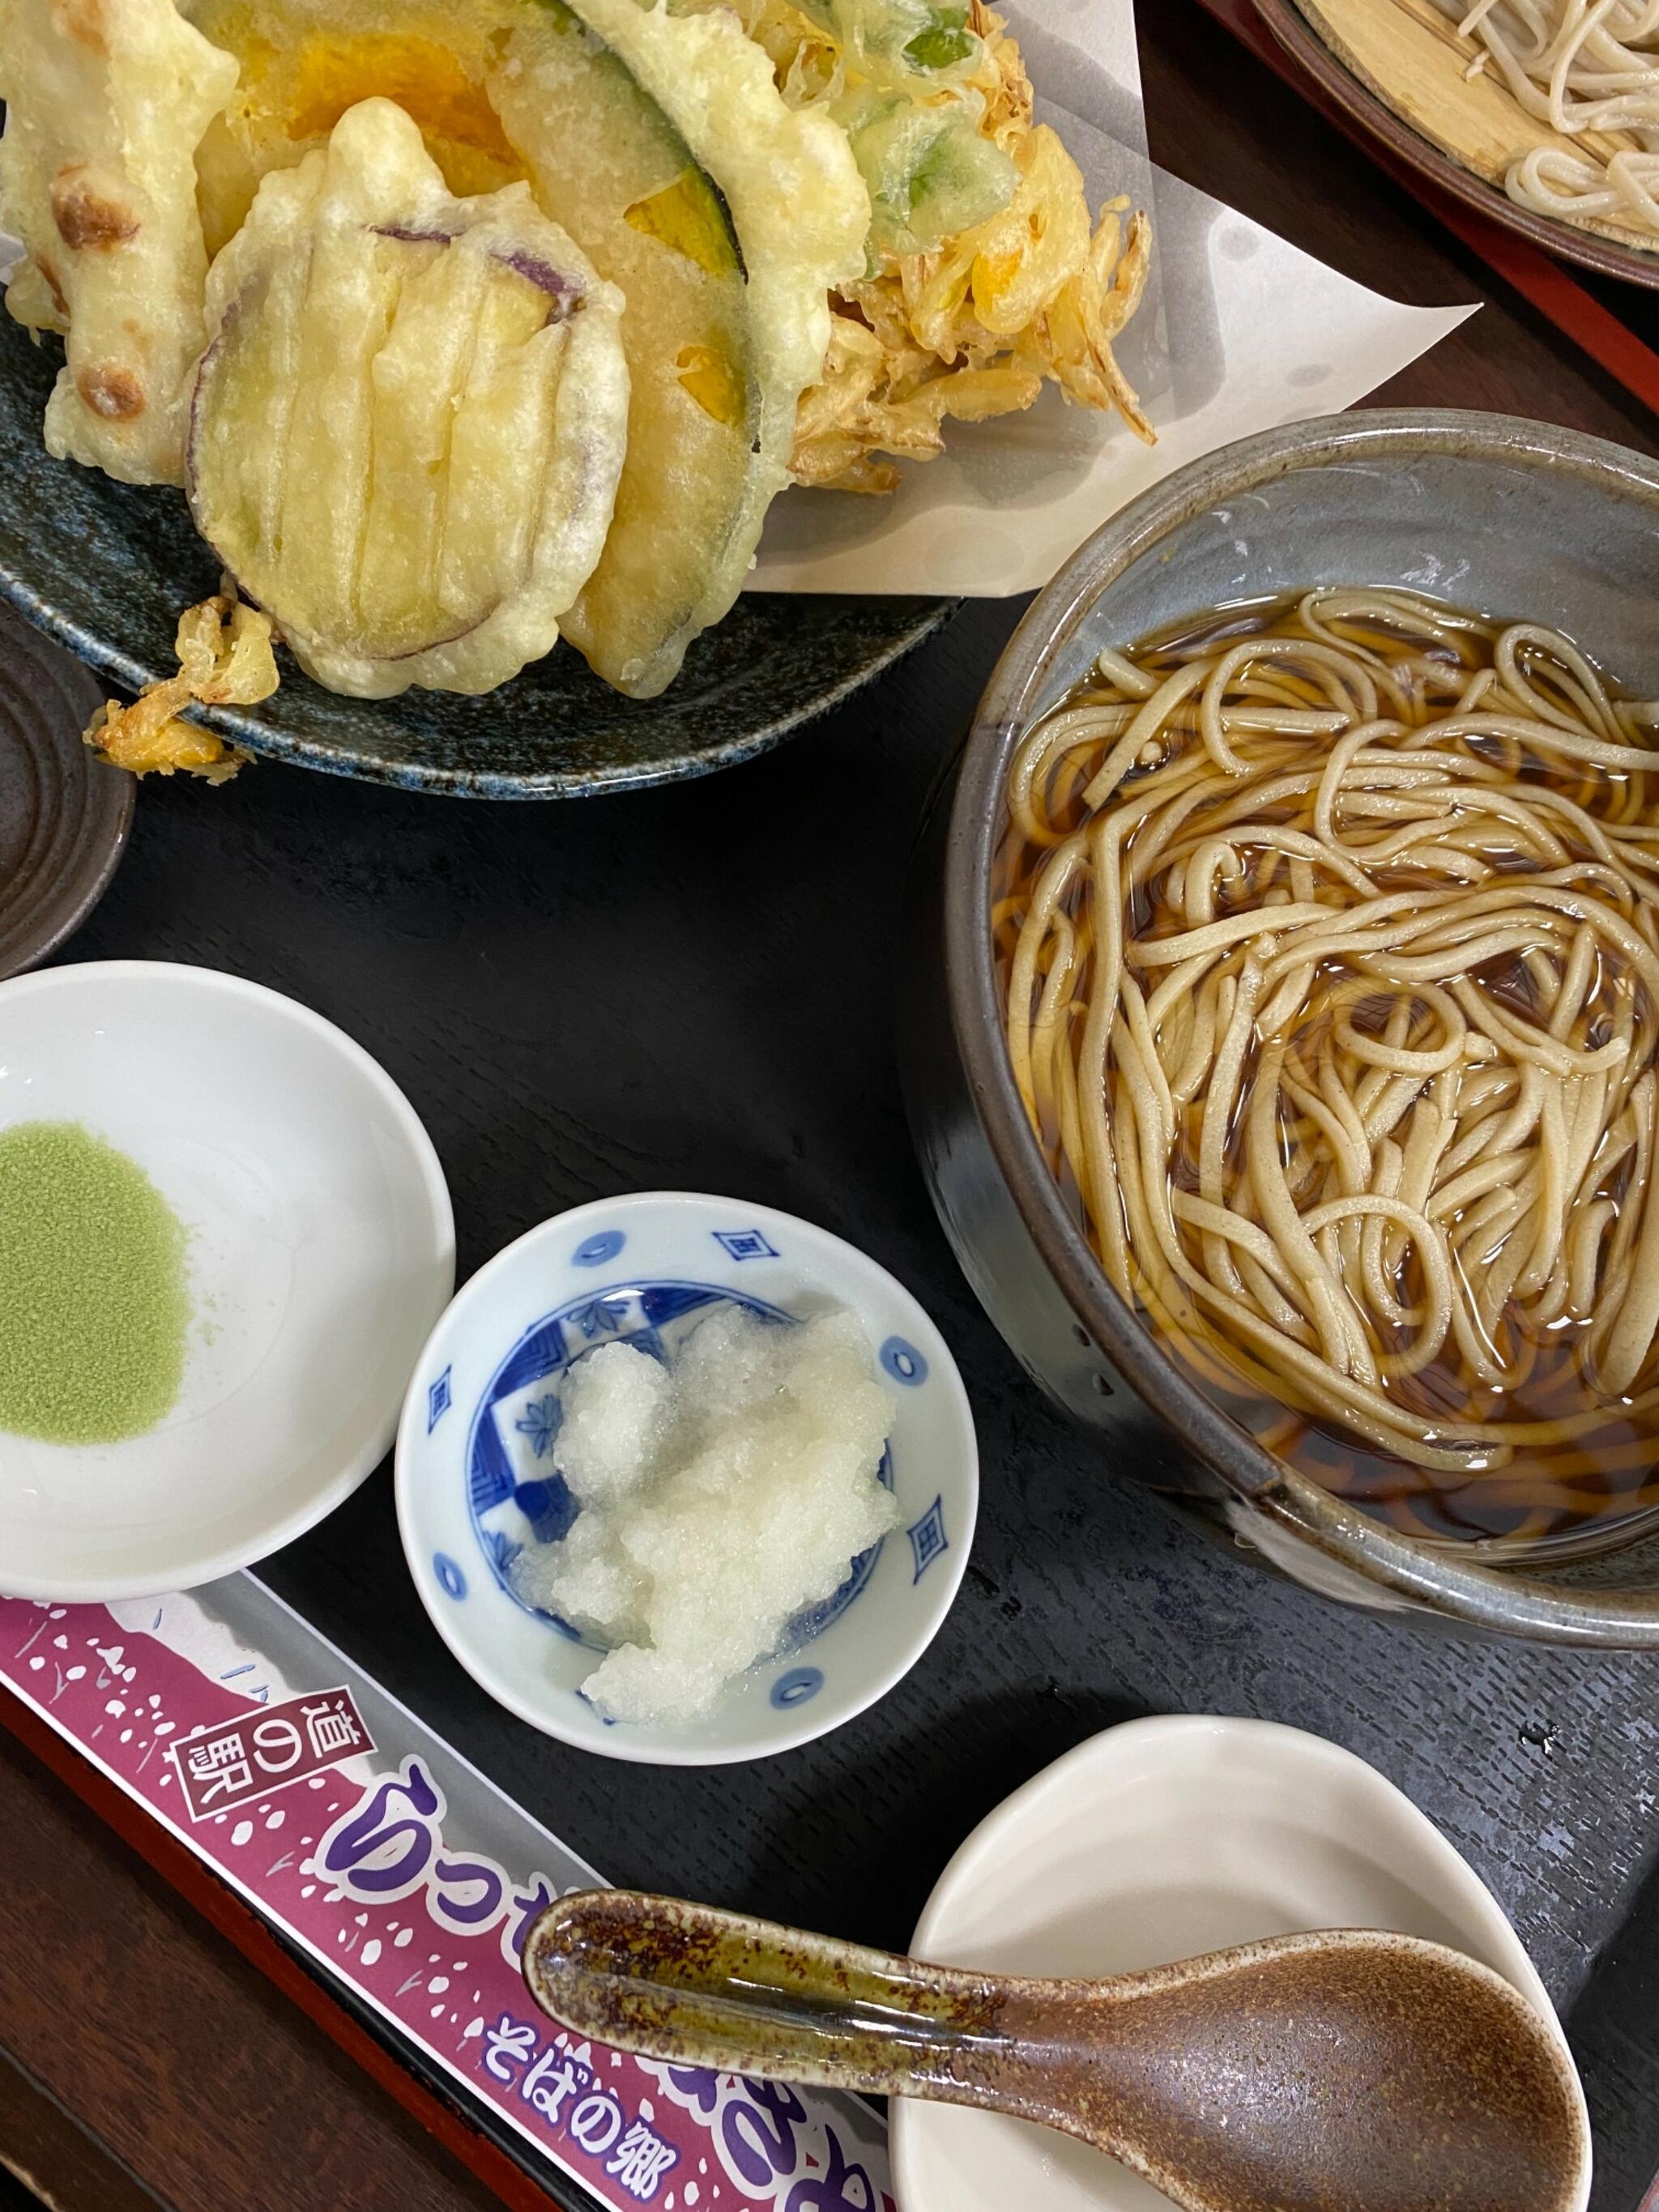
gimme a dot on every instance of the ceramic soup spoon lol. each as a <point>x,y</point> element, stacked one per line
<point>1348,2071</point>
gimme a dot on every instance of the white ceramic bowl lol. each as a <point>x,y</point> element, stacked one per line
<point>1160,1840</point>
<point>321,1248</point>
<point>474,1486</point>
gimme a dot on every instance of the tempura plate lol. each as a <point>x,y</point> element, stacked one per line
<point>108,568</point>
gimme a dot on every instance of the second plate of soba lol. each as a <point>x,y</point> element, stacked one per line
<point>1541,113</point>
<point>1300,886</point>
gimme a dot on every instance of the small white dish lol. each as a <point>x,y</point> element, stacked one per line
<point>1160,1840</point>
<point>476,1478</point>
<point>321,1248</point>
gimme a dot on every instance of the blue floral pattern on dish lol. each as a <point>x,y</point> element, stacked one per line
<point>516,1496</point>
<point>601,1317</point>
<point>598,1249</point>
<point>437,1402</point>
<point>795,1687</point>
<point>541,1421</point>
<point>928,1538</point>
<point>548,1507</point>
<point>744,1244</point>
<point>903,1362</point>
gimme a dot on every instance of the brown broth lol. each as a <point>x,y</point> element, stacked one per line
<point>1584,1493</point>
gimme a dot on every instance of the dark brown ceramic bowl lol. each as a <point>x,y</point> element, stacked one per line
<point>1507,517</point>
<point>1367,105</point>
<point>65,814</point>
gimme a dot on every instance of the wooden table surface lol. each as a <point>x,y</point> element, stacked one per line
<point>142,2061</point>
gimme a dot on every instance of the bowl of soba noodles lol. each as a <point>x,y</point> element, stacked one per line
<point>1283,1036</point>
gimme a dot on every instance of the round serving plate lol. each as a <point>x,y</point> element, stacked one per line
<point>108,568</point>
<point>1305,33</point>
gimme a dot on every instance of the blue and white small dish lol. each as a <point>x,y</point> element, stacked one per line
<point>477,1479</point>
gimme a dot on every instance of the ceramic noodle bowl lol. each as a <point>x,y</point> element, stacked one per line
<point>1509,520</point>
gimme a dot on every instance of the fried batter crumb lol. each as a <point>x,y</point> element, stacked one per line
<point>975,330</point>
<point>225,659</point>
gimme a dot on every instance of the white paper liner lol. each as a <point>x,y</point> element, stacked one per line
<point>1239,331</point>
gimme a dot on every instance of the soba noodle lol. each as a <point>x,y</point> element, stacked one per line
<point>1580,66</point>
<point>1331,934</point>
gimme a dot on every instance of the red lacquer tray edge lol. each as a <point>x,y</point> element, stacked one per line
<point>241,1926</point>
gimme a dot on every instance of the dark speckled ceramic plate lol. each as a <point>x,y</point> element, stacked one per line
<point>108,568</point>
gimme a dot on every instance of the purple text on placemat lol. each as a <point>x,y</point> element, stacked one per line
<point>353,1861</point>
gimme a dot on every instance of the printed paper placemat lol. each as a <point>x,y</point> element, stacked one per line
<point>407,1875</point>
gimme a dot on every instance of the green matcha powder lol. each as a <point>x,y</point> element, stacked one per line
<point>93,1299</point>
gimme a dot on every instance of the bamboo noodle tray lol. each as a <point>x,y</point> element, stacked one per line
<point>1397,67</point>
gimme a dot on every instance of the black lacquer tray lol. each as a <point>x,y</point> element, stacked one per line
<point>695,987</point>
